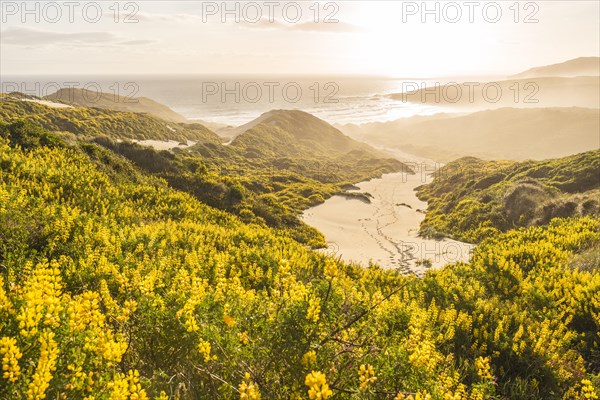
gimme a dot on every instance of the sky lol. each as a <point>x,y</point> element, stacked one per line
<point>378,38</point>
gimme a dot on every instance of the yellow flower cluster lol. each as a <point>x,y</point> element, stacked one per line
<point>290,289</point>
<point>204,349</point>
<point>458,394</point>
<point>111,350</point>
<point>244,338</point>
<point>248,389</point>
<point>417,396</point>
<point>6,307</point>
<point>330,269</point>
<point>366,376</point>
<point>10,359</point>
<point>483,368</point>
<point>45,366</point>
<point>127,387</point>
<point>318,388</point>
<point>314,309</point>
<point>162,396</point>
<point>425,356</point>
<point>229,320</point>
<point>587,390</point>
<point>309,358</point>
<point>197,290</point>
<point>42,299</point>
<point>86,316</point>
<point>85,312</point>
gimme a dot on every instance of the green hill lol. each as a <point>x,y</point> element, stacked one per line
<point>111,101</point>
<point>97,122</point>
<point>470,199</point>
<point>115,286</point>
<point>293,140</point>
<point>293,133</point>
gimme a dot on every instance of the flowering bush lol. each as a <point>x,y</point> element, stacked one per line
<point>119,288</point>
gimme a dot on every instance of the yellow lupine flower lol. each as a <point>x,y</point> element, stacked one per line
<point>309,358</point>
<point>10,359</point>
<point>417,396</point>
<point>587,390</point>
<point>229,321</point>
<point>248,389</point>
<point>244,338</point>
<point>204,349</point>
<point>127,387</point>
<point>483,368</point>
<point>317,386</point>
<point>425,356</point>
<point>162,396</point>
<point>85,312</point>
<point>314,309</point>
<point>45,366</point>
<point>112,350</point>
<point>330,269</point>
<point>5,304</point>
<point>367,376</point>
<point>43,292</point>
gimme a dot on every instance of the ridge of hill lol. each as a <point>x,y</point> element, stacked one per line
<point>506,133</point>
<point>91,121</point>
<point>582,66</point>
<point>112,101</point>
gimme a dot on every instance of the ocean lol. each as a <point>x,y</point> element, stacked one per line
<point>234,101</point>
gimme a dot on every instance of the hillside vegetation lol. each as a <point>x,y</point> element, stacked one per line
<point>292,139</point>
<point>91,122</point>
<point>470,199</point>
<point>115,286</point>
<point>112,101</point>
<point>268,175</point>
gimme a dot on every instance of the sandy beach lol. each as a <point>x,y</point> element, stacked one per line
<point>385,231</point>
<point>164,144</point>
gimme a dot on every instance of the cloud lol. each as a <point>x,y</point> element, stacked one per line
<point>309,26</point>
<point>139,42</point>
<point>34,37</point>
<point>325,27</point>
<point>38,38</point>
<point>153,17</point>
